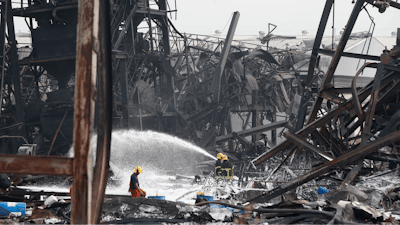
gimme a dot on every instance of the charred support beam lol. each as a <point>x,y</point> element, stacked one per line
<point>313,61</point>
<point>3,8</point>
<point>273,131</point>
<point>338,162</point>
<point>332,97</point>
<point>84,111</point>
<point>36,165</point>
<point>127,25</point>
<point>251,131</point>
<point>255,118</point>
<point>351,55</point>
<point>164,27</point>
<point>219,70</point>
<point>304,144</point>
<point>318,40</point>
<point>335,60</point>
<point>124,92</point>
<point>104,104</point>
<point>28,61</point>
<point>15,71</point>
<point>357,104</point>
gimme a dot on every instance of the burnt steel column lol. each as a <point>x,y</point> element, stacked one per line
<point>313,61</point>
<point>84,111</point>
<point>273,131</point>
<point>104,121</point>
<point>164,27</point>
<point>318,39</point>
<point>255,118</point>
<point>3,9</point>
<point>122,70</point>
<point>19,104</point>
<point>219,70</point>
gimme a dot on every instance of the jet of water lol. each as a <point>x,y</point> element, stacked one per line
<point>158,152</point>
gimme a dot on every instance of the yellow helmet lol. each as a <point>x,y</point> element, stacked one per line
<point>225,157</point>
<point>138,170</point>
<point>220,155</point>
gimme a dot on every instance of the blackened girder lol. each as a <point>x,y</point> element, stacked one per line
<point>335,60</point>
<point>216,83</point>
<point>15,70</point>
<point>318,39</point>
<point>304,144</point>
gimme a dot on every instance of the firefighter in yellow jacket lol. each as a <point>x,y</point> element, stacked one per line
<point>226,168</point>
<point>134,187</point>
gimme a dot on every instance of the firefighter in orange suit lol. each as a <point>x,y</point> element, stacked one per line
<point>134,187</point>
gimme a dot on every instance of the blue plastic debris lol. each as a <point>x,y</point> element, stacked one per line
<point>322,190</point>
<point>157,197</point>
<point>209,198</point>
<point>12,207</point>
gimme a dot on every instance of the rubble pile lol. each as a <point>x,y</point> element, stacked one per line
<point>372,199</point>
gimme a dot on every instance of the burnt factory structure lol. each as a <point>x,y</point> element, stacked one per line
<point>38,105</point>
<point>162,80</point>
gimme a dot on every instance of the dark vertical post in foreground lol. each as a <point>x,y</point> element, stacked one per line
<point>84,111</point>
<point>104,122</point>
<point>93,69</point>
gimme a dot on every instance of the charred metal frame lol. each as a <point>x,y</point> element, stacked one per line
<point>384,85</point>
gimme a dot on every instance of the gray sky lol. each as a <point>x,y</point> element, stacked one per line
<point>291,16</point>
